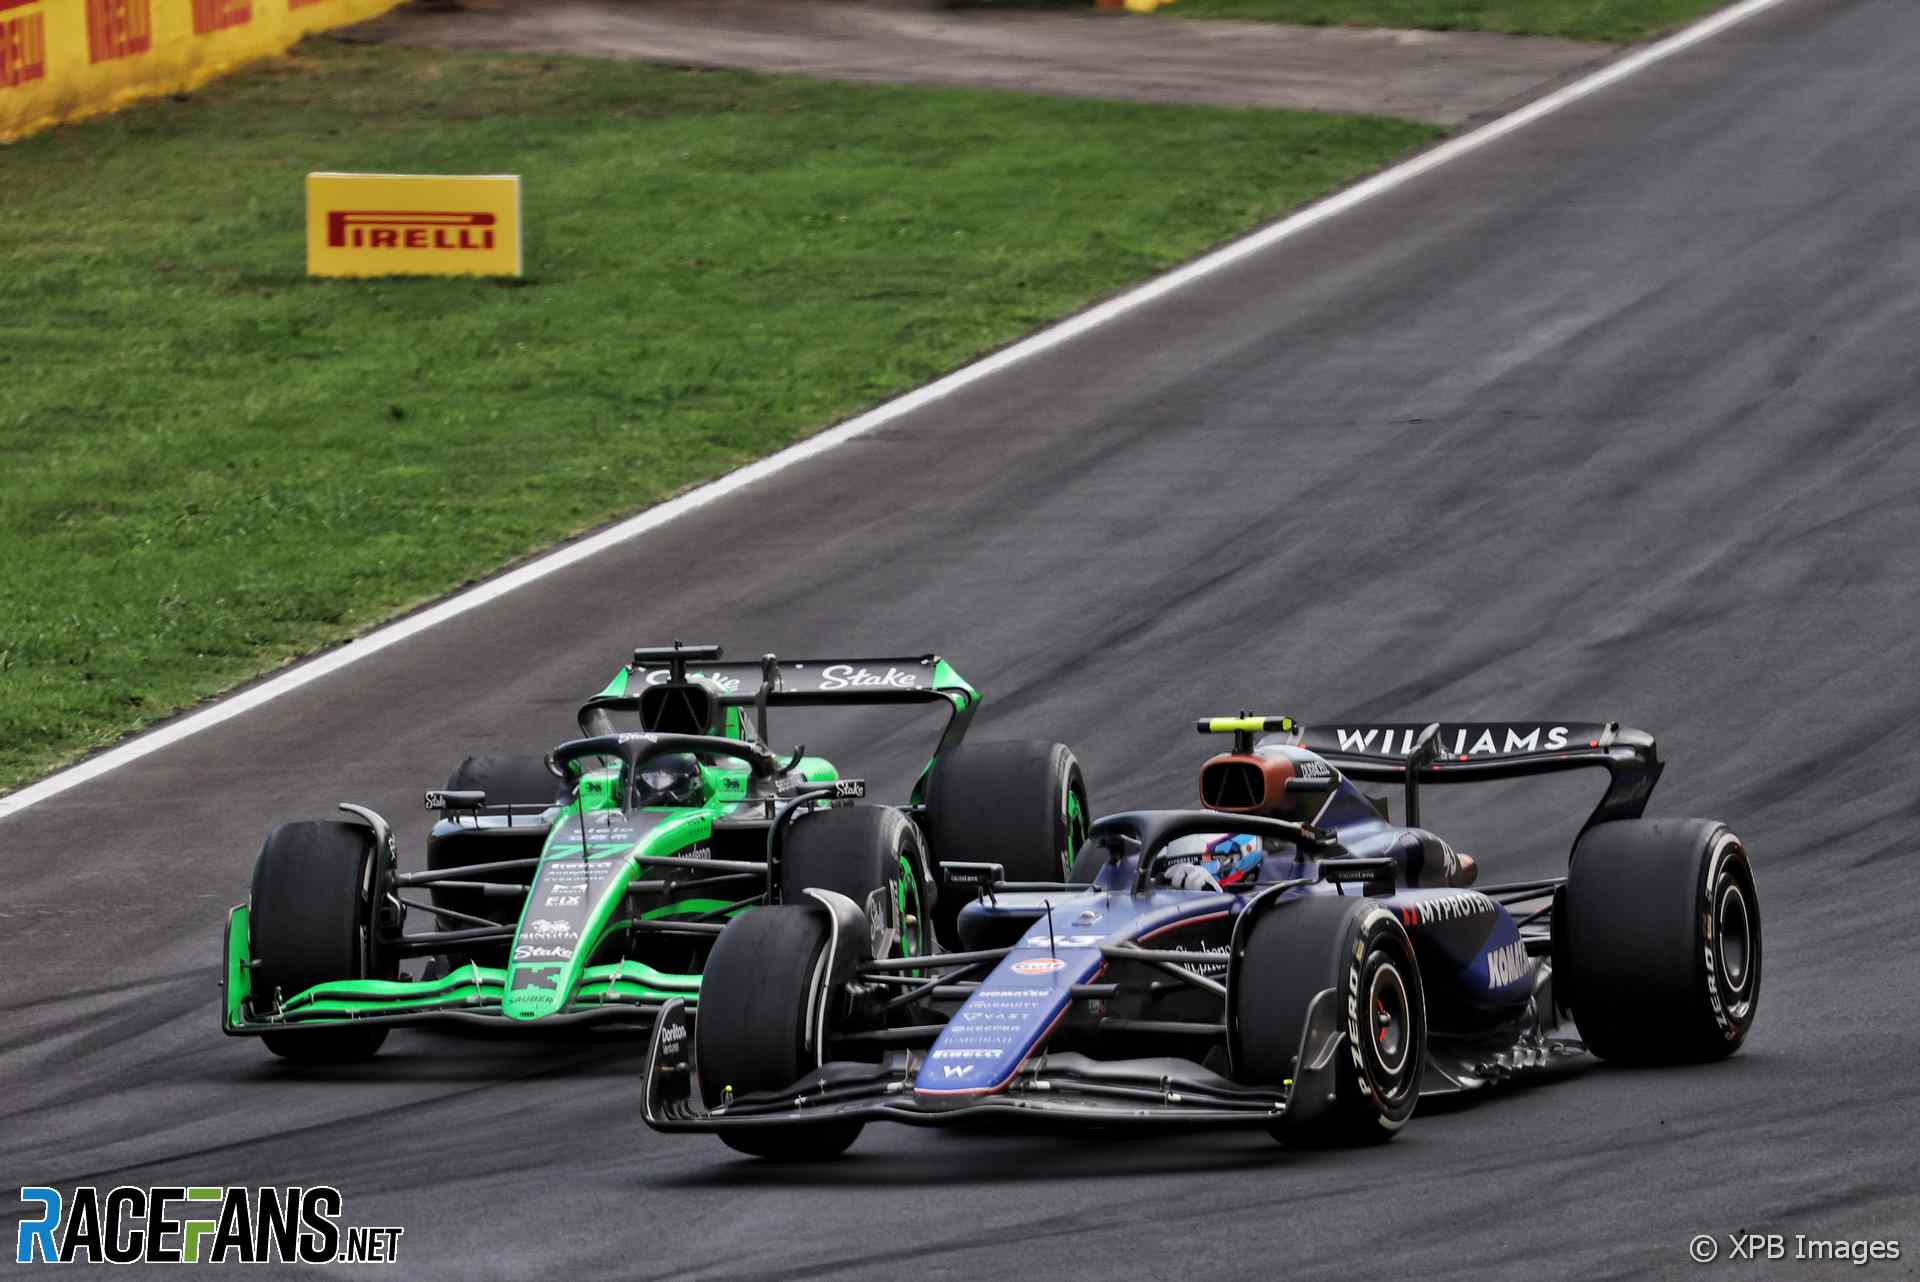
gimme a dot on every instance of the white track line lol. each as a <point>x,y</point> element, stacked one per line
<point>1044,341</point>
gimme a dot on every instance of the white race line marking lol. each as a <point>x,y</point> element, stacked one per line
<point>1046,340</point>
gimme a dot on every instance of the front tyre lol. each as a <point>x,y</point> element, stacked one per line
<point>315,887</point>
<point>1658,950</point>
<point>764,978</point>
<point>1293,952</point>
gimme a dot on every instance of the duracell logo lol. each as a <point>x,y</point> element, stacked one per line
<point>408,229</point>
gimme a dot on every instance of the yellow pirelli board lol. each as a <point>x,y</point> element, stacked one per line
<point>413,225</point>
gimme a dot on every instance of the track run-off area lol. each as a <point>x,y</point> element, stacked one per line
<point>1611,418</point>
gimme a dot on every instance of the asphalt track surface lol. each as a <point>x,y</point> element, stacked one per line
<point>1613,418</point>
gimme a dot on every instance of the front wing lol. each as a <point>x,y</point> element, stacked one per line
<point>1062,1087</point>
<point>624,990</point>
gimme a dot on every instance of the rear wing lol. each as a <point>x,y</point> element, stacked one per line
<point>1448,752</point>
<point>921,678</point>
<point>695,682</point>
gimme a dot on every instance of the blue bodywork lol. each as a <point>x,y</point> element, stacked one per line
<point>1472,957</point>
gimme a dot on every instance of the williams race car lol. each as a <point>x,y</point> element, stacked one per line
<point>1287,958</point>
<point>590,883</point>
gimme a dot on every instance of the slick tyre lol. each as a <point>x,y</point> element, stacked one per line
<point>519,780</point>
<point>1021,804</point>
<point>1657,951</point>
<point>1295,951</point>
<point>311,922</point>
<point>874,856</point>
<point>766,975</point>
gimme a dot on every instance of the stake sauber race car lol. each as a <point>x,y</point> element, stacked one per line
<point>590,883</point>
<point>1288,958</point>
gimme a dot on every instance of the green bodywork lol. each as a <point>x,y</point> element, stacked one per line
<point>591,871</point>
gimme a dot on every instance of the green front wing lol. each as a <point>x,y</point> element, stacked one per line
<point>472,992</point>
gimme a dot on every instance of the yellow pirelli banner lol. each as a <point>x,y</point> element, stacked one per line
<point>64,59</point>
<point>413,225</point>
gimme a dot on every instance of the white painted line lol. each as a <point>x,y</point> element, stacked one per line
<point>1044,341</point>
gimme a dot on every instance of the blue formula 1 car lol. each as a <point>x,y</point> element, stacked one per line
<point>1288,957</point>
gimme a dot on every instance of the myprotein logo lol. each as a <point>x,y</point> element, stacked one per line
<point>210,16</point>
<point>409,229</point>
<point>130,1224</point>
<point>118,28</point>
<point>23,48</point>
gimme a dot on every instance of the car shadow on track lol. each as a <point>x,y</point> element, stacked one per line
<point>989,1153</point>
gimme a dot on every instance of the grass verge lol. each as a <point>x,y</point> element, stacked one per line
<point>1613,21</point>
<point>210,464</point>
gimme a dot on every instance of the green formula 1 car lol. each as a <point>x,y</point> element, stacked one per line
<point>590,883</point>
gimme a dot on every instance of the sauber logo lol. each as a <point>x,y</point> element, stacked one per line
<point>118,28</point>
<point>408,229</point>
<point>23,49</point>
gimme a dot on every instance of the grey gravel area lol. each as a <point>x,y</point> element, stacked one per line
<point>1447,78</point>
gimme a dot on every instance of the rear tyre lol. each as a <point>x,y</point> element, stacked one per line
<point>1658,949</point>
<point>312,922</point>
<point>1293,952</point>
<point>874,856</point>
<point>761,981</point>
<point>1021,804</point>
<point>506,778</point>
<point>518,779</point>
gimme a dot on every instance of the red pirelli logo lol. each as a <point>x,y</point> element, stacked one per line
<point>408,229</point>
<point>217,15</point>
<point>23,49</point>
<point>118,28</point>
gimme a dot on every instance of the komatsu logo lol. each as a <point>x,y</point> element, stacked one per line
<point>1506,965</point>
<point>1392,744</point>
